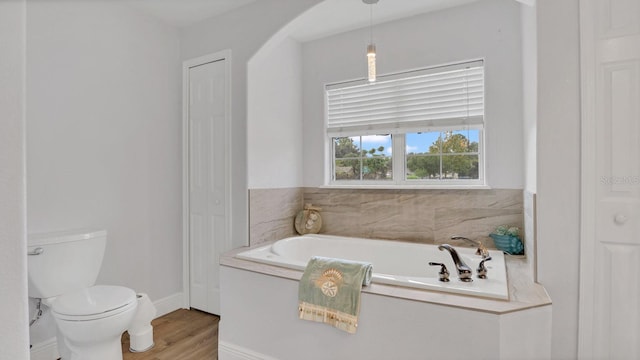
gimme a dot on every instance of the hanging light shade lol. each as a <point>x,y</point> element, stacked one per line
<point>371,48</point>
<point>371,62</point>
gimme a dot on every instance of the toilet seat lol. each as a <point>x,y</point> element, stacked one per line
<point>93,303</point>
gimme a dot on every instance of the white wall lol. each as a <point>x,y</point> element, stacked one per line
<point>486,29</point>
<point>14,330</point>
<point>243,31</point>
<point>558,167</point>
<point>529,111</point>
<point>274,117</point>
<point>104,136</point>
<point>529,95</point>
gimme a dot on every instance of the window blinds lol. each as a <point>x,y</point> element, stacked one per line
<point>451,95</point>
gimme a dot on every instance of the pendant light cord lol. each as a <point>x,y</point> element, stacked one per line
<point>371,24</point>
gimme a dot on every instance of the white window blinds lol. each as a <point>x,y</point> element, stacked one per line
<point>451,95</point>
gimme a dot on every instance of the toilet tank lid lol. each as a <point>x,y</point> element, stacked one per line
<point>56,237</point>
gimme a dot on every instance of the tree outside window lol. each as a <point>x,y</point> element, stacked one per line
<point>357,158</point>
<point>453,155</point>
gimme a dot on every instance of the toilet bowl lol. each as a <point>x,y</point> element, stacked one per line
<point>91,321</point>
<point>90,318</point>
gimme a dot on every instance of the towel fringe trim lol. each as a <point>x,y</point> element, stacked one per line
<point>338,319</point>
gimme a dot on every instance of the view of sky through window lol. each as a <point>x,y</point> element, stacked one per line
<point>416,142</point>
<point>420,142</point>
<point>374,142</point>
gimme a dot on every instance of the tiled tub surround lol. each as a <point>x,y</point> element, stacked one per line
<point>271,213</point>
<point>530,232</point>
<point>396,321</point>
<point>425,216</point>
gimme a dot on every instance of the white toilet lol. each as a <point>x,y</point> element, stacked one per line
<point>63,268</point>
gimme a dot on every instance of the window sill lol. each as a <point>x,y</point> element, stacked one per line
<point>404,187</point>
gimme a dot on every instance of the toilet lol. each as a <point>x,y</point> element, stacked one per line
<point>62,271</point>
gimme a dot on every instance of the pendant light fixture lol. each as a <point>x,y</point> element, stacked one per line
<point>371,48</point>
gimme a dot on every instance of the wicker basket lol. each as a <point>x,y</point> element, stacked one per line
<point>508,244</point>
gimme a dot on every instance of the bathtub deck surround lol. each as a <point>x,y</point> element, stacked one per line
<point>395,321</point>
<point>394,263</point>
<point>523,293</point>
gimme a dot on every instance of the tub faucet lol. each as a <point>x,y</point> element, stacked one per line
<point>464,271</point>
<point>482,270</point>
<point>482,251</point>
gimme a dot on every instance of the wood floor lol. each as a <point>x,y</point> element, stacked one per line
<point>180,335</point>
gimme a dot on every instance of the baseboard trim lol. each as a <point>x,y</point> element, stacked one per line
<point>168,304</point>
<point>229,351</point>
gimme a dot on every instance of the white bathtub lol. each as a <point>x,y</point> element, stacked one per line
<point>395,263</point>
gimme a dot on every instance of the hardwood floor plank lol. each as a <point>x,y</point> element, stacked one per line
<point>180,335</point>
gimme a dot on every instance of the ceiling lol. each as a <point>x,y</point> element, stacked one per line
<point>327,18</point>
<point>181,13</point>
<point>335,16</point>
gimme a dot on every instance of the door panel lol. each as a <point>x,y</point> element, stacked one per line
<point>610,252</point>
<point>207,182</point>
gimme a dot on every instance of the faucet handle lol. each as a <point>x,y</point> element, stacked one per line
<point>444,273</point>
<point>482,251</point>
<point>482,270</point>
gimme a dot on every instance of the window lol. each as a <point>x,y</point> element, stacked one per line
<point>363,158</point>
<point>421,127</point>
<point>442,155</point>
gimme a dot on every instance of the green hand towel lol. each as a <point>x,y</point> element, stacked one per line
<point>329,291</point>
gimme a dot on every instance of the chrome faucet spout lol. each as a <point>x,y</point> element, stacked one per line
<point>472,242</point>
<point>464,271</point>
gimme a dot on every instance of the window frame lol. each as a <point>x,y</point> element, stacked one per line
<point>399,166</point>
<point>480,181</point>
<point>332,171</point>
<point>399,157</point>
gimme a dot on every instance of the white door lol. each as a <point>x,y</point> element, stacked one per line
<point>610,239</point>
<point>208,100</point>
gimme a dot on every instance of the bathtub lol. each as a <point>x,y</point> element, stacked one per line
<point>394,262</point>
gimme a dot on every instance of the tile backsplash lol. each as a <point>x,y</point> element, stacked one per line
<point>530,224</point>
<point>271,213</point>
<point>426,216</point>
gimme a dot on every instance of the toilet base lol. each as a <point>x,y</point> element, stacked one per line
<point>95,339</point>
<point>143,350</point>
<point>141,340</point>
<point>105,350</point>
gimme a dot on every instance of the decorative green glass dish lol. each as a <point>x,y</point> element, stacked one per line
<point>508,244</point>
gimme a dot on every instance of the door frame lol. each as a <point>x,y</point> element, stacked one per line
<point>186,66</point>
<point>587,183</point>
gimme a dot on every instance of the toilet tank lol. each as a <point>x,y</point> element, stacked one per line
<point>66,261</point>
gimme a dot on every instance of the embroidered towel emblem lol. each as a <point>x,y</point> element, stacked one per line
<point>329,283</point>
